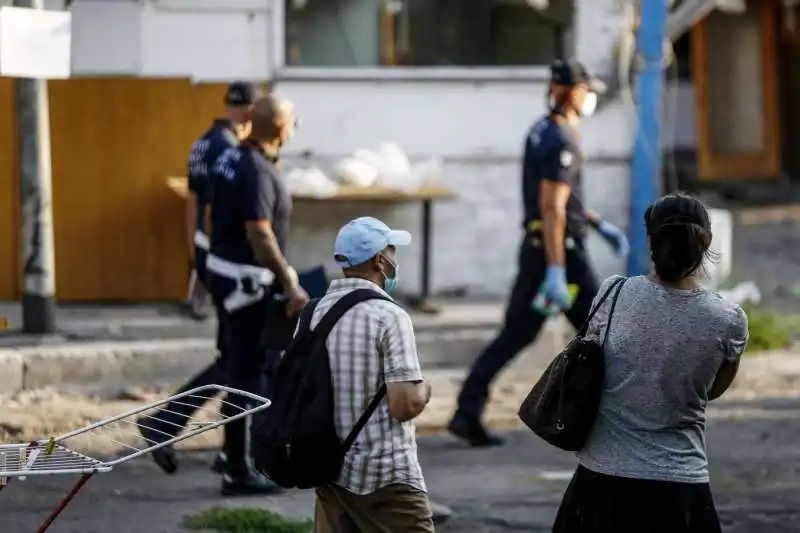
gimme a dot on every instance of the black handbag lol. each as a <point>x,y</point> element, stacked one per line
<point>562,406</point>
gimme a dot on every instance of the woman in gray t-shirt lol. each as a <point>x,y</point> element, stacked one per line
<point>672,347</point>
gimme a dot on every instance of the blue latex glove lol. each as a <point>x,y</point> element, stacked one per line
<point>555,286</point>
<point>614,237</point>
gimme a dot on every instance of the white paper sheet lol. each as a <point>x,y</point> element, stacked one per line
<point>35,43</point>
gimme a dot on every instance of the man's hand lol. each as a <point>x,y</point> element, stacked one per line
<point>614,237</point>
<point>296,299</point>
<point>555,286</point>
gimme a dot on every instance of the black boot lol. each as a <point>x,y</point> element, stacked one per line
<point>441,513</point>
<point>164,457</point>
<point>239,477</point>
<point>470,429</point>
<point>220,463</point>
<point>247,482</point>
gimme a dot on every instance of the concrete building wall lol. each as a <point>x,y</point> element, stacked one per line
<point>473,119</point>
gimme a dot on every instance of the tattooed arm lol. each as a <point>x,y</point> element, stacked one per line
<point>259,200</point>
<point>267,251</point>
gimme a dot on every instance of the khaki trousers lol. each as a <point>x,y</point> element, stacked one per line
<point>393,509</point>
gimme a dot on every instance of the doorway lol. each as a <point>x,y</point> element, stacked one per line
<point>735,66</point>
<point>789,43</point>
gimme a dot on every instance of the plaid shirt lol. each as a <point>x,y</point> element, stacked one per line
<point>372,344</point>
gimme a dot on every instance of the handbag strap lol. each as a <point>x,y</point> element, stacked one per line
<point>585,327</point>
<point>611,311</point>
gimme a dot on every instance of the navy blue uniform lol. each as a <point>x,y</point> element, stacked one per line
<point>247,188</point>
<point>551,153</point>
<point>204,153</point>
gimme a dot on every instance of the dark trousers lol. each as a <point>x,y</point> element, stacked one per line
<point>522,322</point>
<point>171,420</point>
<point>247,364</point>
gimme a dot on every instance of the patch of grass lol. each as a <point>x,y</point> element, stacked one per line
<point>245,520</point>
<point>768,330</point>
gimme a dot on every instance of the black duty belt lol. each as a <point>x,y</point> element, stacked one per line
<point>534,231</point>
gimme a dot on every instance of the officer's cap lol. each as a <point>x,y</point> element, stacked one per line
<point>572,73</point>
<point>241,93</point>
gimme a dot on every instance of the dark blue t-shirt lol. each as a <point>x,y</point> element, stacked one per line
<point>204,153</point>
<point>552,153</point>
<point>247,188</point>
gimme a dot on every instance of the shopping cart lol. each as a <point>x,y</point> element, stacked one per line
<point>62,455</point>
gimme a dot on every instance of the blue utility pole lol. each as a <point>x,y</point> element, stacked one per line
<point>645,177</point>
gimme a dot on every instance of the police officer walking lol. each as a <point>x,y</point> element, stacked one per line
<point>553,253</point>
<point>247,270</point>
<point>224,133</point>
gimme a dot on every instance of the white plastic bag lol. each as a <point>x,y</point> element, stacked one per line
<point>427,173</point>
<point>311,182</point>
<point>394,170</point>
<point>356,172</point>
<point>369,157</point>
<point>393,160</point>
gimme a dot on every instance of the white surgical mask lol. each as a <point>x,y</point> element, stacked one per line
<point>589,104</point>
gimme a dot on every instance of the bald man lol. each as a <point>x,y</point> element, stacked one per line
<point>248,272</point>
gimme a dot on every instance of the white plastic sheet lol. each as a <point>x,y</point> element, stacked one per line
<point>35,43</point>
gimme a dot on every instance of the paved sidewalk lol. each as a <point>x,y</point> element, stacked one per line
<point>755,463</point>
<point>44,413</point>
<point>103,350</point>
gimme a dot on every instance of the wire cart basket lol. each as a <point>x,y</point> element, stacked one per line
<point>60,455</point>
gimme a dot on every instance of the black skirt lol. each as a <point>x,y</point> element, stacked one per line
<point>599,503</point>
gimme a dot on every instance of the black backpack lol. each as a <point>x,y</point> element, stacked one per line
<point>294,439</point>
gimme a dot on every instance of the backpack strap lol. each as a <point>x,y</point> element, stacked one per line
<point>321,333</point>
<point>345,303</point>
<point>363,419</point>
<point>306,314</point>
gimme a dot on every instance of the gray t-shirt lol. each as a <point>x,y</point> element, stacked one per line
<point>663,352</point>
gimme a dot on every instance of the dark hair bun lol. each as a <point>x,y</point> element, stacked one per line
<point>679,228</point>
<point>678,250</point>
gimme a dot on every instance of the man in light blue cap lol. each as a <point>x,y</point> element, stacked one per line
<point>381,486</point>
<point>372,344</point>
<point>369,246</point>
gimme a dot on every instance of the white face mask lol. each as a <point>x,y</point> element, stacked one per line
<point>589,104</point>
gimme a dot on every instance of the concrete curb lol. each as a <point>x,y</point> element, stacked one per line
<point>105,368</point>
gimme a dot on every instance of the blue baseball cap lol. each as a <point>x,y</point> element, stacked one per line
<point>363,238</point>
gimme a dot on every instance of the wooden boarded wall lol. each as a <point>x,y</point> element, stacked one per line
<point>9,195</point>
<point>119,231</point>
